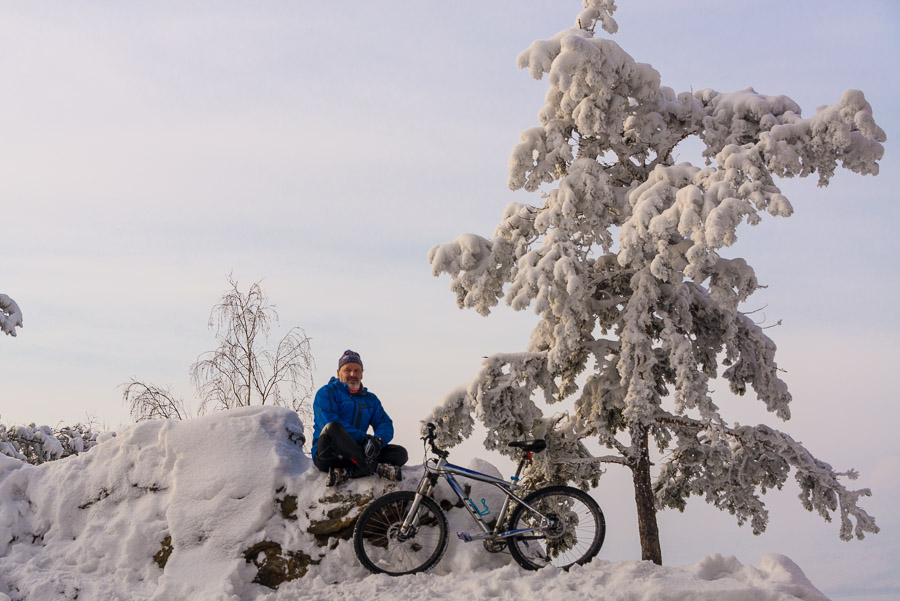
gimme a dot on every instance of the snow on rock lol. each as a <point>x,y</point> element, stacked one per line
<point>94,522</point>
<point>227,507</point>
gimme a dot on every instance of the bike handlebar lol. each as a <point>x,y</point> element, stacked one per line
<point>429,440</point>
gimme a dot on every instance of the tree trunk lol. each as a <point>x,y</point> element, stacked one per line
<point>646,507</point>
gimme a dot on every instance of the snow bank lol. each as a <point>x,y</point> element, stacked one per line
<point>199,509</point>
<point>93,523</point>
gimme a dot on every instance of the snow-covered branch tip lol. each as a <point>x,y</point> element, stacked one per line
<point>597,11</point>
<point>10,315</point>
<point>453,418</point>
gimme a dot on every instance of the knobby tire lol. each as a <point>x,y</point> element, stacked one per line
<point>376,538</point>
<point>576,537</point>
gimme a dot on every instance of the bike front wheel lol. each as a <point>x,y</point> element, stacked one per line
<point>383,549</point>
<point>569,528</point>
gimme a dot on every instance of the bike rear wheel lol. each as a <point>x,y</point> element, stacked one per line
<point>574,534</point>
<point>383,550</point>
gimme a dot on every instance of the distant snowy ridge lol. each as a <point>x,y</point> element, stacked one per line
<point>203,509</point>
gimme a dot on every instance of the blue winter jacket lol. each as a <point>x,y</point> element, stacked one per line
<point>356,411</point>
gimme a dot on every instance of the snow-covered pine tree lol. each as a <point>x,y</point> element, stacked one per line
<point>636,327</point>
<point>38,444</point>
<point>10,315</point>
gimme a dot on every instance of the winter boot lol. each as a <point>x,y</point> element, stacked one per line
<point>389,472</point>
<point>336,475</point>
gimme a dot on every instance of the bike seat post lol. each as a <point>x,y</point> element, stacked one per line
<point>526,458</point>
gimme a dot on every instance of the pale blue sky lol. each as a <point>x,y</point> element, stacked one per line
<point>148,150</point>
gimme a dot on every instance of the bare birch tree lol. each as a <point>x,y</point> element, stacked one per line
<point>244,370</point>
<point>147,402</point>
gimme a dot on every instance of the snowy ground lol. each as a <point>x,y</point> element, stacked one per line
<point>715,578</point>
<point>87,527</point>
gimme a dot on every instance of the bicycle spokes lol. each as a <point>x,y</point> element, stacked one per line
<point>405,532</point>
<point>383,547</point>
<point>566,528</point>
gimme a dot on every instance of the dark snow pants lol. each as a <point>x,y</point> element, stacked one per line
<point>336,448</point>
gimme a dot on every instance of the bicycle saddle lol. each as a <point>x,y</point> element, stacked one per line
<point>535,446</point>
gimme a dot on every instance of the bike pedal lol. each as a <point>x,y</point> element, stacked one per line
<point>464,536</point>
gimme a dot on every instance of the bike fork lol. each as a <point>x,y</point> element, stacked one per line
<point>410,522</point>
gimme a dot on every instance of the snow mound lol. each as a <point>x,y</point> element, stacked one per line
<point>94,522</point>
<point>201,509</point>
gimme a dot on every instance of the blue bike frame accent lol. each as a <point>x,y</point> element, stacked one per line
<point>440,468</point>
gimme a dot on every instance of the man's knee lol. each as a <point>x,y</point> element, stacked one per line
<point>334,428</point>
<point>322,466</point>
<point>329,445</point>
<point>394,454</point>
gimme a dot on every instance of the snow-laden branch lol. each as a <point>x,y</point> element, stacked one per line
<point>39,444</point>
<point>598,11</point>
<point>732,467</point>
<point>10,315</point>
<point>788,144</point>
<point>478,269</point>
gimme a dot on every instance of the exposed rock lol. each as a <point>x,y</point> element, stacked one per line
<point>165,550</point>
<point>331,520</point>
<point>338,521</point>
<point>275,566</point>
<point>288,506</point>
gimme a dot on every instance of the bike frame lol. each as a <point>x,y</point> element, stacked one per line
<point>441,468</point>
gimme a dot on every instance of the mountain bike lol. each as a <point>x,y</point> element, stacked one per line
<point>405,532</point>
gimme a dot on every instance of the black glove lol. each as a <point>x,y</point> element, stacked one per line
<point>372,448</point>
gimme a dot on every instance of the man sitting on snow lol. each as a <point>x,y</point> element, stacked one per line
<point>344,410</point>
